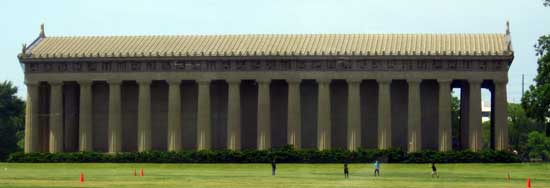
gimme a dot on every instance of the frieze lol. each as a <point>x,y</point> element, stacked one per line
<point>269,65</point>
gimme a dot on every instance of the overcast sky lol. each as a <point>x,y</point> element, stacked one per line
<point>20,20</point>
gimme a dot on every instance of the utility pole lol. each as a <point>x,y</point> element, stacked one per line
<point>522,84</point>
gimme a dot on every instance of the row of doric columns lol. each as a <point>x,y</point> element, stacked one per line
<point>294,129</point>
<point>414,118</point>
<point>174,120</point>
<point>474,120</point>
<point>234,115</point>
<point>56,117</point>
<point>114,118</point>
<point>204,129</point>
<point>85,116</point>
<point>354,115</point>
<point>444,111</point>
<point>384,114</point>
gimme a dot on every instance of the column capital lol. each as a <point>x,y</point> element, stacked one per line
<point>323,80</point>
<point>414,81</point>
<point>85,82</point>
<point>144,81</point>
<point>354,80</point>
<point>31,83</point>
<point>263,81</point>
<point>114,82</point>
<point>55,82</point>
<point>444,80</point>
<point>384,80</point>
<point>500,81</point>
<point>173,81</point>
<point>475,80</point>
<point>203,81</point>
<point>233,81</point>
<point>293,80</point>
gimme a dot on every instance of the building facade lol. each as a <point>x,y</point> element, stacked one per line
<point>137,93</point>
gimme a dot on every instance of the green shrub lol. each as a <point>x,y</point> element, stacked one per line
<point>286,154</point>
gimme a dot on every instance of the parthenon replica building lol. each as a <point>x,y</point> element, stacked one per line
<point>258,91</point>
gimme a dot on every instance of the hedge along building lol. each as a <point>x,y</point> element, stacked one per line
<point>136,93</point>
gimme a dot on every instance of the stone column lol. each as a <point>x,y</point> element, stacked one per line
<point>85,116</point>
<point>500,116</point>
<point>414,116</point>
<point>294,122</point>
<point>264,115</point>
<point>384,114</point>
<point>31,124</point>
<point>144,115</point>
<point>234,115</point>
<point>174,115</point>
<point>323,115</point>
<point>354,114</point>
<point>474,121</point>
<point>114,121</point>
<point>56,117</point>
<point>203,116</point>
<point>444,112</point>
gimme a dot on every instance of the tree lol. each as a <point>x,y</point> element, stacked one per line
<point>536,100</point>
<point>547,3</point>
<point>519,127</point>
<point>539,146</point>
<point>12,116</point>
<point>455,121</point>
<point>486,131</point>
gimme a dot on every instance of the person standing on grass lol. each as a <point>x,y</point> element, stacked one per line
<point>346,170</point>
<point>376,168</point>
<point>273,167</point>
<point>434,171</point>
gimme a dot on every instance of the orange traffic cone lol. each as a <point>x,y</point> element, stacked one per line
<point>141,172</point>
<point>135,172</point>
<point>81,177</point>
<point>528,182</point>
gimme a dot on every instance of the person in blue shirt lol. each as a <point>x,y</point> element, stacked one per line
<point>376,168</point>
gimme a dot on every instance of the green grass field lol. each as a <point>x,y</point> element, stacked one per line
<point>259,175</point>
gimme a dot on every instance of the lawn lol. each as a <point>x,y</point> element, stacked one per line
<point>259,175</point>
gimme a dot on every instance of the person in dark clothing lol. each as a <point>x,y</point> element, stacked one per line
<point>273,167</point>
<point>346,171</point>
<point>434,171</point>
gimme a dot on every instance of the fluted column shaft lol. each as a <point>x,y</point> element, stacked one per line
<point>114,121</point>
<point>31,123</point>
<point>294,129</point>
<point>174,112</point>
<point>384,114</point>
<point>414,116</point>
<point>264,115</point>
<point>144,115</point>
<point>56,117</point>
<point>85,116</point>
<point>444,111</point>
<point>323,115</point>
<point>354,115</point>
<point>234,115</point>
<point>501,116</point>
<point>474,116</point>
<point>204,125</point>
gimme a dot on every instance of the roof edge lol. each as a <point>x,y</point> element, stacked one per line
<point>509,57</point>
<point>266,34</point>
